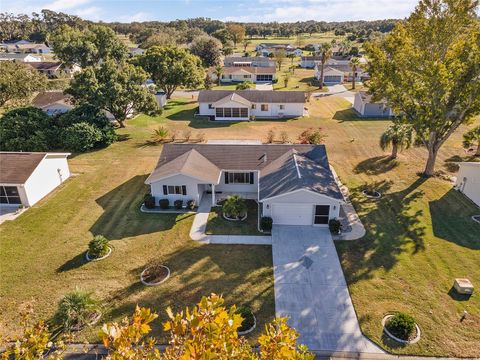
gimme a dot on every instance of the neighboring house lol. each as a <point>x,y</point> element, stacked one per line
<point>293,184</point>
<point>19,57</point>
<point>27,177</point>
<point>239,61</point>
<point>331,76</point>
<point>309,62</point>
<point>255,74</point>
<point>267,49</point>
<point>365,107</point>
<point>161,98</point>
<point>134,51</point>
<point>28,48</point>
<point>53,102</point>
<point>55,69</point>
<point>468,180</point>
<point>248,104</point>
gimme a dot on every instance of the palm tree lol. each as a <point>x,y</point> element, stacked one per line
<point>245,44</point>
<point>218,71</point>
<point>325,54</point>
<point>354,64</point>
<point>234,207</point>
<point>398,136</point>
<point>472,138</point>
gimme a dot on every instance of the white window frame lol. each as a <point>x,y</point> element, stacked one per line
<point>175,189</point>
<point>232,180</point>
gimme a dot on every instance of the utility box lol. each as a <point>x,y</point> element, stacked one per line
<point>463,286</point>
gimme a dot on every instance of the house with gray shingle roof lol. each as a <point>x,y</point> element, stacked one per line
<point>293,183</point>
<point>247,104</point>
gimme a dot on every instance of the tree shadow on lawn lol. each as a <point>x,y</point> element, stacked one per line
<point>350,115</point>
<point>375,165</point>
<point>392,228</point>
<point>122,216</point>
<point>199,270</point>
<point>452,219</point>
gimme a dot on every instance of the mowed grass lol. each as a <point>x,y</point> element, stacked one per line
<point>217,225</point>
<point>419,235</point>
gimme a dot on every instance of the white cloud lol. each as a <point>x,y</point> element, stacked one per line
<point>60,5</point>
<point>138,17</point>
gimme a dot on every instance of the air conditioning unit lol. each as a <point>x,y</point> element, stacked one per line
<point>463,286</point>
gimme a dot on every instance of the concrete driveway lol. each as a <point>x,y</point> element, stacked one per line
<point>311,291</point>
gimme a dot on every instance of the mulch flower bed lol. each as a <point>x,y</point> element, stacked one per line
<point>155,275</point>
<point>372,194</point>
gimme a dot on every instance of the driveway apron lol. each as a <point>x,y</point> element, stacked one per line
<point>311,291</point>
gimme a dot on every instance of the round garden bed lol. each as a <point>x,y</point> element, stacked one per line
<point>414,338</point>
<point>249,321</point>
<point>476,218</point>
<point>88,258</point>
<point>372,194</point>
<point>240,218</point>
<point>154,275</point>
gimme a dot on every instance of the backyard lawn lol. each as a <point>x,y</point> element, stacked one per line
<point>419,235</point>
<point>217,225</point>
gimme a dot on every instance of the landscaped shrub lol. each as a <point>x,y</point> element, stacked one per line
<point>191,204</point>
<point>164,203</point>
<point>98,247</point>
<point>77,310</point>
<point>178,204</point>
<point>335,226</point>
<point>248,319</point>
<point>401,325</point>
<point>81,137</point>
<point>266,223</point>
<point>234,207</point>
<point>149,201</point>
<point>312,136</point>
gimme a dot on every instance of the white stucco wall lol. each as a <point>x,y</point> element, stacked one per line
<point>193,192</point>
<point>290,110</point>
<point>303,197</point>
<point>468,181</point>
<point>51,172</point>
<point>358,103</point>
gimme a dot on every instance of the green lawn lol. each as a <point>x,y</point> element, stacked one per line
<point>217,225</point>
<point>419,235</point>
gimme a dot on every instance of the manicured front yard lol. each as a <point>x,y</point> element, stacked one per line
<point>217,225</point>
<point>419,235</point>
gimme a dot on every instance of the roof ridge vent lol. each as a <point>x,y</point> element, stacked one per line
<point>296,166</point>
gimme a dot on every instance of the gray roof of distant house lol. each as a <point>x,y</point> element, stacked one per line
<point>18,166</point>
<point>45,65</point>
<point>15,56</point>
<point>257,96</point>
<point>232,59</point>
<point>276,163</point>
<point>368,98</point>
<point>49,97</point>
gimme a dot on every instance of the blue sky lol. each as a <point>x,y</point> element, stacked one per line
<point>239,10</point>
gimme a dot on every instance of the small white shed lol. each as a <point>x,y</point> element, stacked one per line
<point>27,177</point>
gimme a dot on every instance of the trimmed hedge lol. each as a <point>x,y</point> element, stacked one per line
<point>149,201</point>
<point>178,204</point>
<point>335,226</point>
<point>164,203</point>
<point>266,223</point>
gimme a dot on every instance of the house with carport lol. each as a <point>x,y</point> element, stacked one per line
<point>242,105</point>
<point>292,184</point>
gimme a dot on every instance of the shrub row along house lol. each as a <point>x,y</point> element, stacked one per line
<point>293,184</point>
<point>27,177</point>
<point>250,104</point>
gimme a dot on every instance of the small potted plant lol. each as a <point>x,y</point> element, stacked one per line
<point>335,226</point>
<point>98,248</point>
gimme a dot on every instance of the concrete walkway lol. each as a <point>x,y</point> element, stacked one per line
<point>197,232</point>
<point>337,90</point>
<point>311,290</point>
<point>264,86</point>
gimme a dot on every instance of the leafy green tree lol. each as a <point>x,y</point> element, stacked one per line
<point>117,88</point>
<point>208,49</point>
<point>87,47</point>
<point>218,71</point>
<point>427,69</point>
<point>18,82</point>
<point>354,65</point>
<point>237,32</point>
<point>398,136</point>
<point>245,85</point>
<point>472,138</point>
<point>245,45</point>
<point>171,67</point>
<point>325,54</point>
<point>279,57</point>
<point>26,129</point>
<point>223,35</point>
<point>81,137</point>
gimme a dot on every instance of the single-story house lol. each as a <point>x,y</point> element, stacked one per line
<point>293,184</point>
<point>246,104</point>
<point>266,49</point>
<point>27,177</point>
<point>134,51</point>
<point>309,62</point>
<point>331,76</point>
<point>468,180</point>
<point>250,61</point>
<point>19,57</point>
<point>28,48</point>
<point>55,69</point>
<point>255,74</point>
<point>365,107</point>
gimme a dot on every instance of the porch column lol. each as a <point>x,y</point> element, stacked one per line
<point>213,195</point>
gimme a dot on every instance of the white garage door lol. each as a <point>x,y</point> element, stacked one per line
<point>292,214</point>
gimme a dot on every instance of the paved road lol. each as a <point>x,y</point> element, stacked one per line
<point>311,290</point>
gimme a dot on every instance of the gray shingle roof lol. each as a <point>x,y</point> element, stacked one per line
<point>257,96</point>
<point>18,166</point>
<point>277,165</point>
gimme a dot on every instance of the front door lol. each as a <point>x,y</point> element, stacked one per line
<point>321,214</point>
